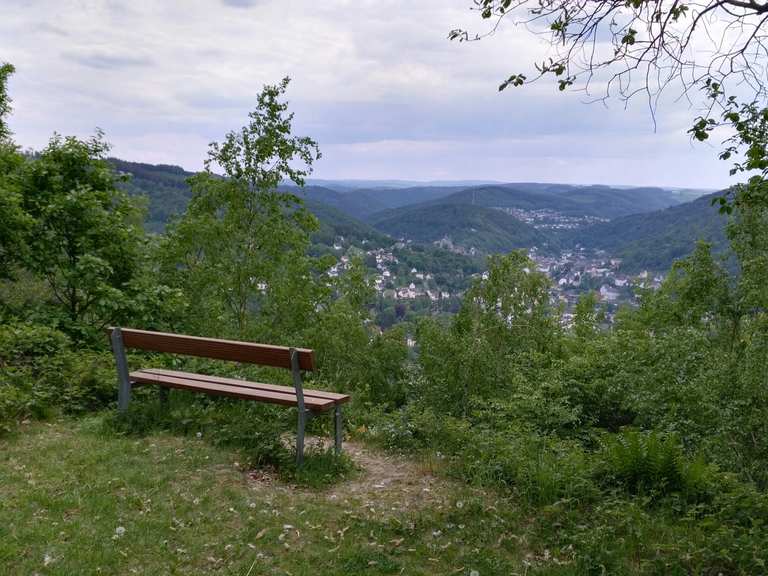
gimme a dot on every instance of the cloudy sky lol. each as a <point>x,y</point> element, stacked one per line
<point>375,82</point>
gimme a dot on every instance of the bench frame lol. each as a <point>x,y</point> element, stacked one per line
<point>298,360</point>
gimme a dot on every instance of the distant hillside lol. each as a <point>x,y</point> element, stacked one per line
<point>165,187</point>
<point>334,223</point>
<point>397,197</point>
<point>467,226</point>
<point>360,184</point>
<point>362,202</point>
<point>655,240</point>
<point>168,194</point>
<point>354,205</point>
<point>596,201</point>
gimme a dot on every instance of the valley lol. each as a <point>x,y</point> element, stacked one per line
<point>424,245</point>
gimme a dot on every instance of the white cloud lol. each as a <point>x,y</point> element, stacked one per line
<point>376,82</point>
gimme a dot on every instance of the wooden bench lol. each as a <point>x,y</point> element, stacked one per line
<point>308,402</point>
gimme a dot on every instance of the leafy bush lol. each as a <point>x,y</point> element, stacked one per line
<point>41,372</point>
<point>652,464</point>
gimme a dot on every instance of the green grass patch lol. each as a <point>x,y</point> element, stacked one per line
<point>77,500</point>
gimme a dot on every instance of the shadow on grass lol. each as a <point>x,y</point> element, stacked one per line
<point>256,431</point>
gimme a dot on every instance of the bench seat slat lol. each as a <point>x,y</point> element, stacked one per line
<point>219,389</point>
<point>308,393</point>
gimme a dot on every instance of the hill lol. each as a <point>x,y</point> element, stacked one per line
<point>335,223</point>
<point>397,197</point>
<point>467,226</point>
<point>347,203</point>
<point>164,186</point>
<point>594,201</point>
<point>363,202</point>
<point>168,194</point>
<point>655,240</point>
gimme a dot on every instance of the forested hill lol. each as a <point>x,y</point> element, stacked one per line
<point>165,187</point>
<point>468,226</point>
<point>334,223</point>
<point>655,240</point>
<point>168,194</point>
<point>595,201</point>
<point>649,227</point>
<point>349,204</point>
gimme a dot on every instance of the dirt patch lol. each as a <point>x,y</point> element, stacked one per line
<point>385,483</point>
<point>388,484</point>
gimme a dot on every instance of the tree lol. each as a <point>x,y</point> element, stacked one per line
<point>641,47</point>
<point>510,306</point>
<point>5,101</point>
<point>241,245</point>
<point>85,235</point>
<point>13,219</point>
<point>638,46</point>
<point>587,316</point>
<point>749,124</point>
<point>506,330</point>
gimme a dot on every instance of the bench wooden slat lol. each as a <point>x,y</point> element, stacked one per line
<point>308,393</point>
<point>230,390</point>
<point>278,356</point>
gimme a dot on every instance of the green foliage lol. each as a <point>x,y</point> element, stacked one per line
<point>485,229</point>
<point>504,329</point>
<point>654,241</point>
<point>241,245</point>
<point>13,220</point>
<point>651,463</point>
<point>6,70</point>
<point>587,317</point>
<point>748,145</point>
<point>41,371</point>
<point>84,239</point>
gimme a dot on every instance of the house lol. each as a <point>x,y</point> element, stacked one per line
<point>608,294</point>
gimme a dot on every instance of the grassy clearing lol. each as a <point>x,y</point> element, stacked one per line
<point>74,500</point>
<point>77,498</point>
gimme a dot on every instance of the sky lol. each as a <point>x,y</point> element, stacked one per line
<point>375,82</point>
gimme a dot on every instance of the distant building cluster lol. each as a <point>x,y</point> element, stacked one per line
<point>573,273</point>
<point>550,219</point>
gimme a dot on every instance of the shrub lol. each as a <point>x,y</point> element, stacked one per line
<point>40,372</point>
<point>652,464</point>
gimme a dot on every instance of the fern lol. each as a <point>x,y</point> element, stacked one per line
<point>651,463</point>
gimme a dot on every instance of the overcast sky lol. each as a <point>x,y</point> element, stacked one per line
<point>375,82</point>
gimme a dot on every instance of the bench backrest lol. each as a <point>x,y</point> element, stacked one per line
<point>263,354</point>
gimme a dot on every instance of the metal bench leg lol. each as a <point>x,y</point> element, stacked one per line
<point>300,438</point>
<point>297,385</point>
<point>164,395</point>
<point>338,428</point>
<point>123,380</point>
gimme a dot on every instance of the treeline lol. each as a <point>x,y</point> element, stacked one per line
<point>638,450</point>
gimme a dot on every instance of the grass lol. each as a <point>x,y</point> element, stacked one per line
<point>79,498</point>
<point>74,500</point>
